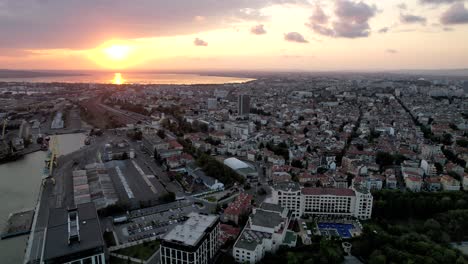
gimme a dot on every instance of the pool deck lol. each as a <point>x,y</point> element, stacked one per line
<point>343,230</point>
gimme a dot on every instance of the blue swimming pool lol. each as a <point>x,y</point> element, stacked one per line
<point>343,230</point>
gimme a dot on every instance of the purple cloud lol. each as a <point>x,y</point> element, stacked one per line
<point>322,30</point>
<point>89,23</point>
<point>318,16</point>
<point>437,2</point>
<point>295,37</point>
<point>258,30</point>
<point>200,42</point>
<point>456,14</point>
<point>12,52</point>
<point>412,19</point>
<point>352,20</point>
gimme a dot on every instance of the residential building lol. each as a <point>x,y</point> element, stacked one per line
<point>240,207</point>
<point>195,241</point>
<point>433,183</point>
<point>390,181</point>
<point>265,231</point>
<point>449,183</point>
<point>243,104</point>
<point>413,183</point>
<point>212,103</point>
<point>199,175</point>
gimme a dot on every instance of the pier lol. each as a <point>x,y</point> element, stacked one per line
<point>18,224</point>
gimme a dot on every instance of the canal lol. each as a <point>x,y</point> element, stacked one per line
<point>19,187</point>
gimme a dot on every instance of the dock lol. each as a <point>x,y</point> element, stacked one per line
<point>18,224</point>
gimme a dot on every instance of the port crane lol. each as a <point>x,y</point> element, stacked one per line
<point>51,160</point>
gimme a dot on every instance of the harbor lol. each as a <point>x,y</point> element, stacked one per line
<point>20,190</point>
<point>18,224</point>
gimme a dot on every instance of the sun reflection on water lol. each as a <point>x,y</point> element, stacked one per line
<point>118,78</point>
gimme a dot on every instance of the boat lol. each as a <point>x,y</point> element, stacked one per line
<point>87,141</point>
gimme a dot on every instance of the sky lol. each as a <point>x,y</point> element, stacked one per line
<point>305,35</point>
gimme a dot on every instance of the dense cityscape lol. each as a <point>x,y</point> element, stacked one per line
<point>302,168</point>
<point>234,131</point>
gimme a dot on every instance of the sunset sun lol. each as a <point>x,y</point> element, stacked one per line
<point>117,52</point>
<point>115,55</point>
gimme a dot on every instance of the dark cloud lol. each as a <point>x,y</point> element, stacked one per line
<point>391,51</point>
<point>456,14</point>
<point>295,37</point>
<point>200,42</point>
<point>437,2</point>
<point>258,30</point>
<point>384,30</point>
<point>88,23</point>
<point>412,19</point>
<point>352,20</point>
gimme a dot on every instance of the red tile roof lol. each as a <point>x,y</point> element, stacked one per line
<point>242,203</point>
<point>327,191</point>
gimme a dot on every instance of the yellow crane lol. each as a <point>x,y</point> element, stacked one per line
<point>51,160</point>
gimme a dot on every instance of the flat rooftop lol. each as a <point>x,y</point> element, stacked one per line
<point>56,241</point>
<point>191,231</point>
<point>266,218</point>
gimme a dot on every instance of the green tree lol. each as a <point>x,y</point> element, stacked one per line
<point>377,258</point>
<point>384,159</point>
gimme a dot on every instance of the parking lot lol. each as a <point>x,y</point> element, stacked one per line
<point>153,221</point>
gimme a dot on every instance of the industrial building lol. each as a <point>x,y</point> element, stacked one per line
<point>74,236</point>
<point>242,168</point>
<point>94,185</point>
<point>195,241</point>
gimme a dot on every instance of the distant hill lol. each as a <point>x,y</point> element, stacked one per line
<point>32,74</point>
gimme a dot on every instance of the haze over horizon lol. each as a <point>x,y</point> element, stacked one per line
<point>286,35</point>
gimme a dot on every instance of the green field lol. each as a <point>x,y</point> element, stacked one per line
<point>142,251</point>
<point>210,199</point>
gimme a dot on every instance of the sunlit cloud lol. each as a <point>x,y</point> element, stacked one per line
<point>163,34</point>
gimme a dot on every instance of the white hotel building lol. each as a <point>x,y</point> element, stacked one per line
<point>354,202</point>
<point>193,242</point>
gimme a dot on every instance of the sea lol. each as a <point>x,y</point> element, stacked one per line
<point>130,78</point>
